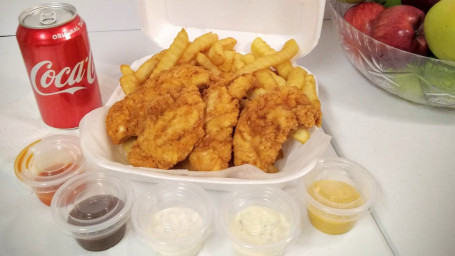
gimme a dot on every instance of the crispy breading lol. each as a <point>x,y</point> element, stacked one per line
<point>126,117</point>
<point>166,114</point>
<point>186,73</point>
<point>215,149</point>
<point>169,137</point>
<point>265,123</point>
<point>241,85</point>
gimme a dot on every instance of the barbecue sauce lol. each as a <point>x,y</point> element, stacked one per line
<point>95,210</point>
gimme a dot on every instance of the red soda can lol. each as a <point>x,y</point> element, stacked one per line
<point>55,47</point>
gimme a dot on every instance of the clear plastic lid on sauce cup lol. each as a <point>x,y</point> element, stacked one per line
<point>47,163</point>
<point>260,221</point>
<point>173,218</point>
<point>94,209</point>
<point>337,192</point>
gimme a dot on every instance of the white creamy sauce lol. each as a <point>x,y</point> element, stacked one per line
<point>260,225</point>
<point>175,223</point>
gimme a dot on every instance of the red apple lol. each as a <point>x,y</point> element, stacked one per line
<point>361,15</point>
<point>423,5</point>
<point>401,26</point>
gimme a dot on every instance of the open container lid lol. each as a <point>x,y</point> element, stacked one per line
<point>272,20</point>
<point>275,21</point>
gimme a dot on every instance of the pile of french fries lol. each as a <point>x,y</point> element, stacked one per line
<point>271,68</point>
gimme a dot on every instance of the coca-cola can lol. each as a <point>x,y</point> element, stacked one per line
<point>54,43</point>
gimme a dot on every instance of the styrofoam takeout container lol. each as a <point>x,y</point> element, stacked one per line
<point>275,21</point>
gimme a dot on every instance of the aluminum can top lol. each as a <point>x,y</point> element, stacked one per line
<point>47,15</point>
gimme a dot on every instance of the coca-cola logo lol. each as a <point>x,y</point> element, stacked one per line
<point>46,76</point>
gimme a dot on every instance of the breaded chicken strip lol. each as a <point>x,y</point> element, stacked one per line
<point>166,114</point>
<point>126,118</point>
<point>241,85</point>
<point>169,137</point>
<point>215,149</point>
<point>265,123</point>
<point>188,74</point>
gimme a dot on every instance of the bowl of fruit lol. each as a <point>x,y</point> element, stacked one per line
<point>406,47</point>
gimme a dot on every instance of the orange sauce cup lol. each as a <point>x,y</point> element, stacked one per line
<point>47,163</point>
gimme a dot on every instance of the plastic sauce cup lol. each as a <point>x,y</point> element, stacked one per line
<point>46,164</point>
<point>337,192</point>
<point>173,218</point>
<point>260,221</point>
<point>93,208</point>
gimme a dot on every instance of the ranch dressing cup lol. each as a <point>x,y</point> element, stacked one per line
<point>337,192</point>
<point>262,221</point>
<point>174,219</point>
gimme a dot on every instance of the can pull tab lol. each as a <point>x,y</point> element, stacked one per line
<point>48,17</point>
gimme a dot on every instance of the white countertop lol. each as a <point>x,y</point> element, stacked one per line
<point>408,148</point>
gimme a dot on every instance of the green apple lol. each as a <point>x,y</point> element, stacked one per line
<point>388,3</point>
<point>407,83</point>
<point>439,29</point>
<point>439,75</point>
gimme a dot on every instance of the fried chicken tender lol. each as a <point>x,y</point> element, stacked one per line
<point>241,85</point>
<point>186,73</point>
<point>215,149</point>
<point>166,114</point>
<point>125,118</point>
<point>170,136</point>
<point>265,123</point>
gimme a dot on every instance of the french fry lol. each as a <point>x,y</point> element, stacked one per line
<point>301,135</point>
<point>309,89</point>
<point>284,69</point>
<point>145,69</point>
<point>128,144</point>
<point>248,58</point>
<point>228,43</point>
<point>228,58</point>
<point>126,69</point>
<point>256,93</point>
<point>237,63</point>
<point>300,78</point>
<point>216,53</point>
<point>280,81</point>
<point>296,78</point>
<point>241,85</point>
<point>205,62</point>
<point>260,48</point>
<point>128,83</point>
<point>288,51</point>
<point>198,45</point>
<point>173,54</point>
<point>265,79</point>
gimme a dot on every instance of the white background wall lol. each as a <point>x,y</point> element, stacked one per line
<point>100,15</point>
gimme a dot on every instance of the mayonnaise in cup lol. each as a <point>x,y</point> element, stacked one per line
<point>260,221</point>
